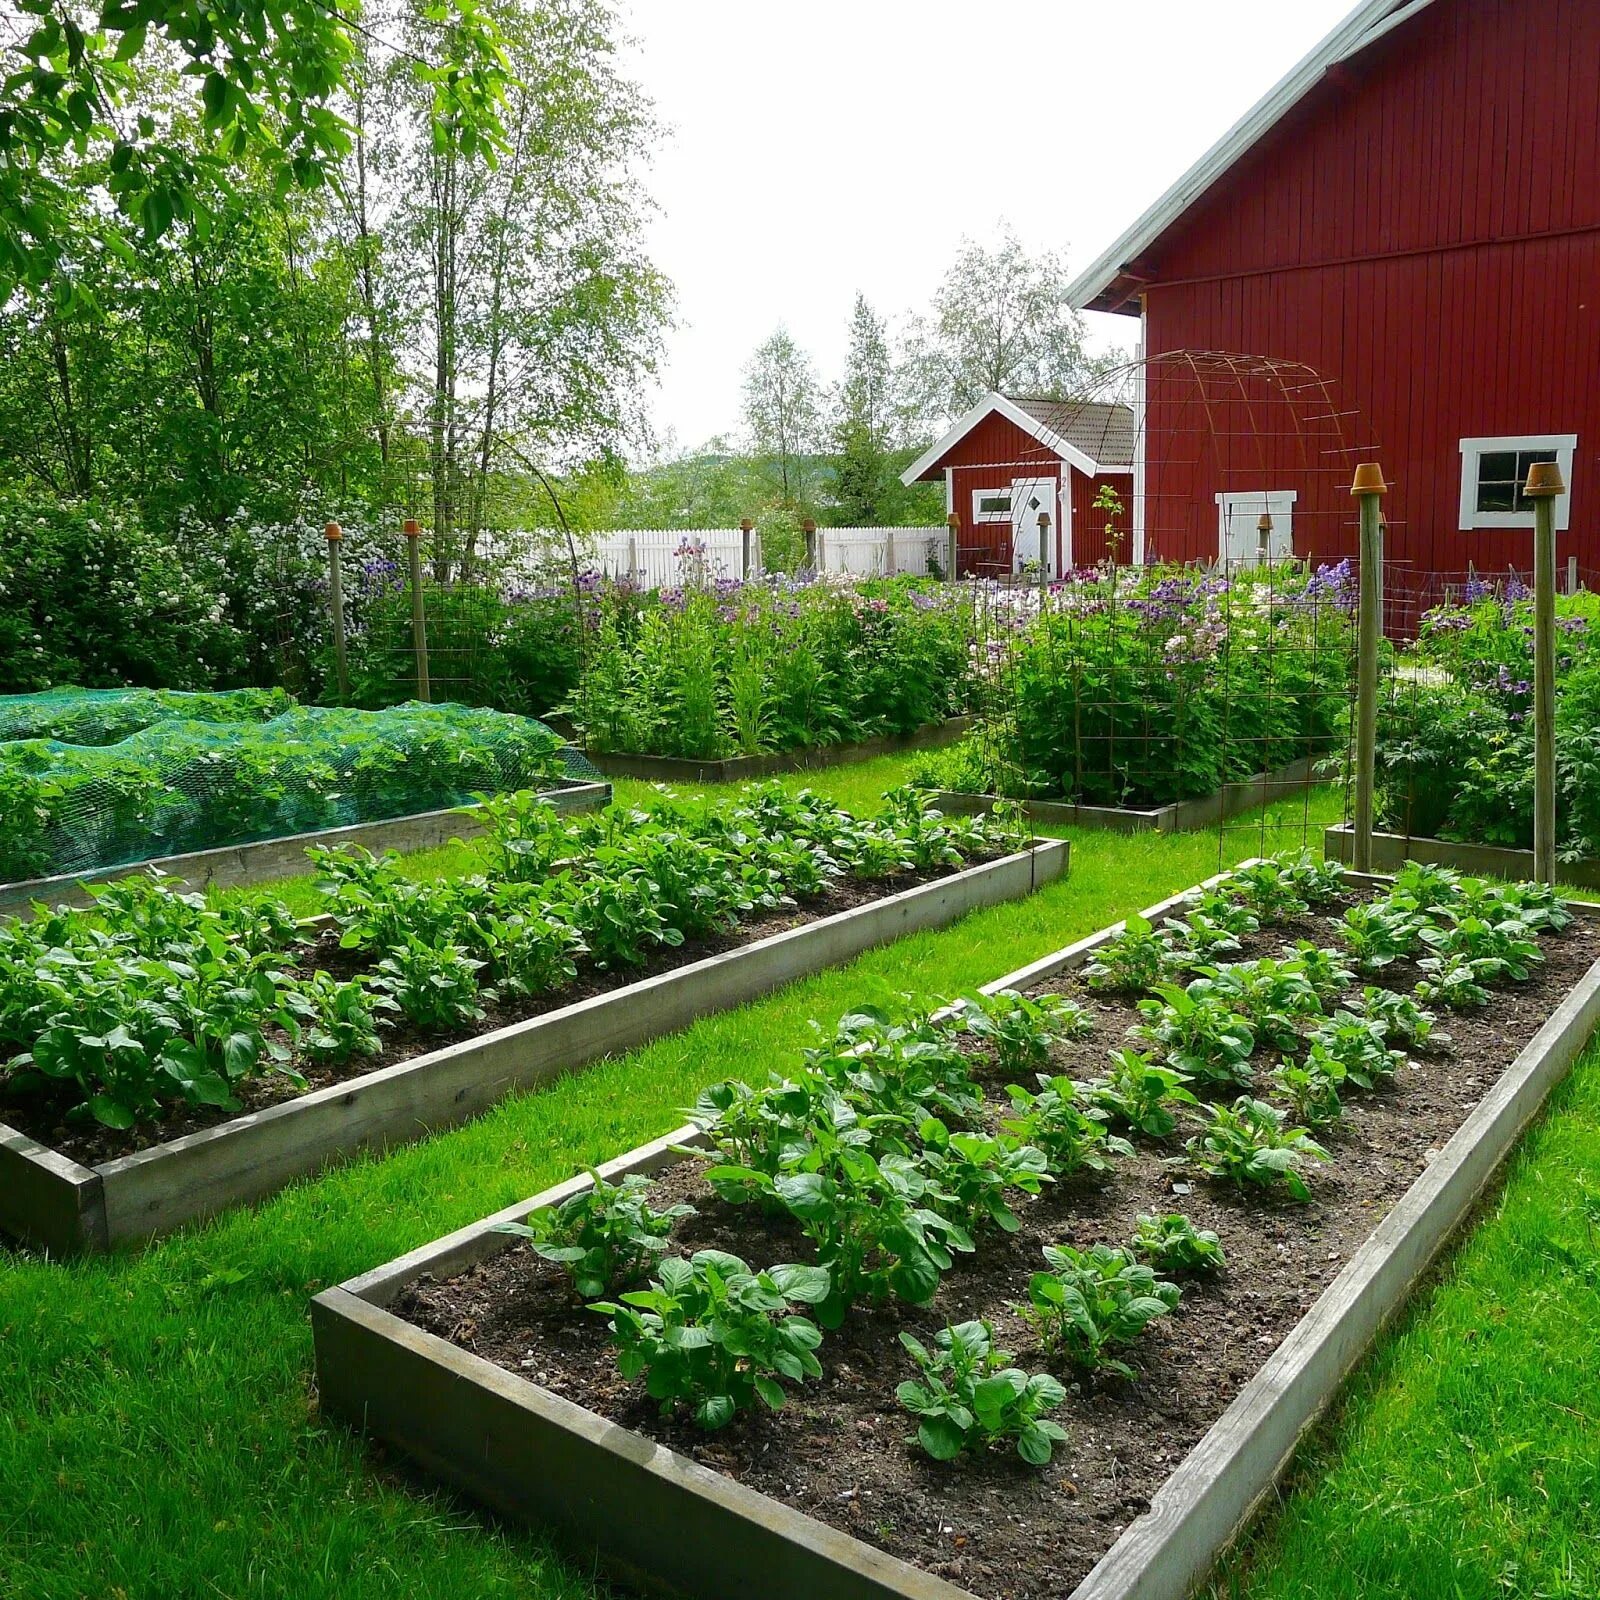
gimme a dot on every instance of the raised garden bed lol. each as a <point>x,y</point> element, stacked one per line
<point>471,1357</point>
<point>740,769</point>
<point>66,1205</point>
<point>269,860</point>
<point>1391,850</point>
<point>1179,817</point>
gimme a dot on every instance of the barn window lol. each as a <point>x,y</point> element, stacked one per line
<point>1493,471</point>
<point>991,505</point>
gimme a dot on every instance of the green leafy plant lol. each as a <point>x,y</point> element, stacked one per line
<point>713,1336</point>
<point>1353,1047</point>
<point>1172,1243</point>
<point>1271,889</point>
<point>1377,935</point>
<point>1252,1143</point>
<point>1023,1029</point>
<point>1135,961</point>
<point>1061,1121</point>
<point>1274,996</point>
<point>977,1173</point>
<point>1095,1301</point>
<point>607,1235</point>
<point>968,1397</point>
<point>1199,1031</point>
<point>1400,1016</point>
<point>434,986</point>
<point>339,1019</point>
<point>1140,1094</point>
<point>1311,1088</point>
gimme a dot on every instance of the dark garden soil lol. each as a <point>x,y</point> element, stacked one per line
<point>839,1451</point>
<point>40,1117</point>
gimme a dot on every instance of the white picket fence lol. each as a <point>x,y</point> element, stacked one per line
<point>659,558</point>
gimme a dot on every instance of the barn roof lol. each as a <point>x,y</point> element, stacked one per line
<point>1095,436</point>
<point>1112,282</point>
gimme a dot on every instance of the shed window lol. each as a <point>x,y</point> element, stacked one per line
<point>1493,471</point>
<point>991,505</point>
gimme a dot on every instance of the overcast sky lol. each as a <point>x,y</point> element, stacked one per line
<point>836,145</point>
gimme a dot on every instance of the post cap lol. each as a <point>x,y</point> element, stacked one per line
<point>745,524</point>
<point>413,527</point>
<point>1544,478</point>
<point>1044,519</point>
<point>333,532</point>
<point>1369,479</point>
<point>1264,523</point>
<point>953,520</point>
<point>809,525</point>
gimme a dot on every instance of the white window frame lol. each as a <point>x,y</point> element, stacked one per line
<point>1565,446</point>
<point>980,495</point>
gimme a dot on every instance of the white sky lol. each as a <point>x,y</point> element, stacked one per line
<point>836,145</point>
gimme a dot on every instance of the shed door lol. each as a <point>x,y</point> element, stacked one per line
<point>1030,496</point>
<point>1239,521</point>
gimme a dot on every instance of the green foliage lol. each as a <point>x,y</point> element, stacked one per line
<point>968,1398</point>
<point>434,986</point>
<point>1311,1088</point>
<point>1135,961</point>
<point>1067,1123</point>
<point>1172,1243</point>
<point>1275,997</point>
<point>1023,1029</point>
<point>339,1019</point>
<point>1199,1031</point>
<point>1401,1018</point>
<point>1095,1301</point>
<point>713,1336</point>
<point>1250,1142</point>
<point>607,1235</point>
<point>977,1173</point>
<point>1140,1094</point>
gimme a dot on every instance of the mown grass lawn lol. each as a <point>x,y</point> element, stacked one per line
<point>159,1438</point>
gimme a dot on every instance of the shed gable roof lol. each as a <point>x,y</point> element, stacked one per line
<point>1112,280</point>
<point>1094,436</point>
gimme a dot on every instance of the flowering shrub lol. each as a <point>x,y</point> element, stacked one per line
<point>1156,684</point>
<point>1455,738</point>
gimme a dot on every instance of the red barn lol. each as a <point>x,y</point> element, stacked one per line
<point>1013,458</point>
<point>1412,214</point>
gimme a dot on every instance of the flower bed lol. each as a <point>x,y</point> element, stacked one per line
<point>1455,736</point>
<point>138,1033</point>
<point>1154,686</point>
<point>180,786</point>
<point>1177,1243</point>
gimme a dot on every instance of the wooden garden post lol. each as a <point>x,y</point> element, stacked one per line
<point>1044,551</point>
<point>1263,539</point>
<point>1543,485</point>
<point>953,523</point>
<point>341,668</point>
<point>1369,488</point>
<point>1572,574</point>
<point>888,553</point>
<point>745,527</point>
<point>633,561</point>
<point>809,528</point>
<point>419,621</point>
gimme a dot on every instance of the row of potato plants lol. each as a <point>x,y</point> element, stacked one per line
<point>155,999</point>
<point>880,1145</point>
<point>1149,685</point>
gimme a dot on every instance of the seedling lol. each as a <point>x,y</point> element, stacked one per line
<point>1172,1243</point>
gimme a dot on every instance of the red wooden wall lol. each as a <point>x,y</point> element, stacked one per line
<point>1425,231</point>
<point>989,457</point>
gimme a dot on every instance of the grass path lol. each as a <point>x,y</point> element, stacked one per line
<point>159,1439</point>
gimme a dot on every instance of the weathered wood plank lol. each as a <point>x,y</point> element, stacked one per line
<point>156,1190</point>
<point>46,1200</point>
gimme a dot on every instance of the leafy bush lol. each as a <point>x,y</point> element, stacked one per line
<point>713,1336</point>
<point>968,1398</point>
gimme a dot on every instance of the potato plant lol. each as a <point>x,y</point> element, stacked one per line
<point>1140,1095</point>
<point>968,1397</point>
<point>1253,1143</point>
<point>1172,1243</point>
<point>1093,1302</point>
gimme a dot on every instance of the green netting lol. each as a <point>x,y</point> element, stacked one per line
<point>174,787</point>
<point>103,716</point>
